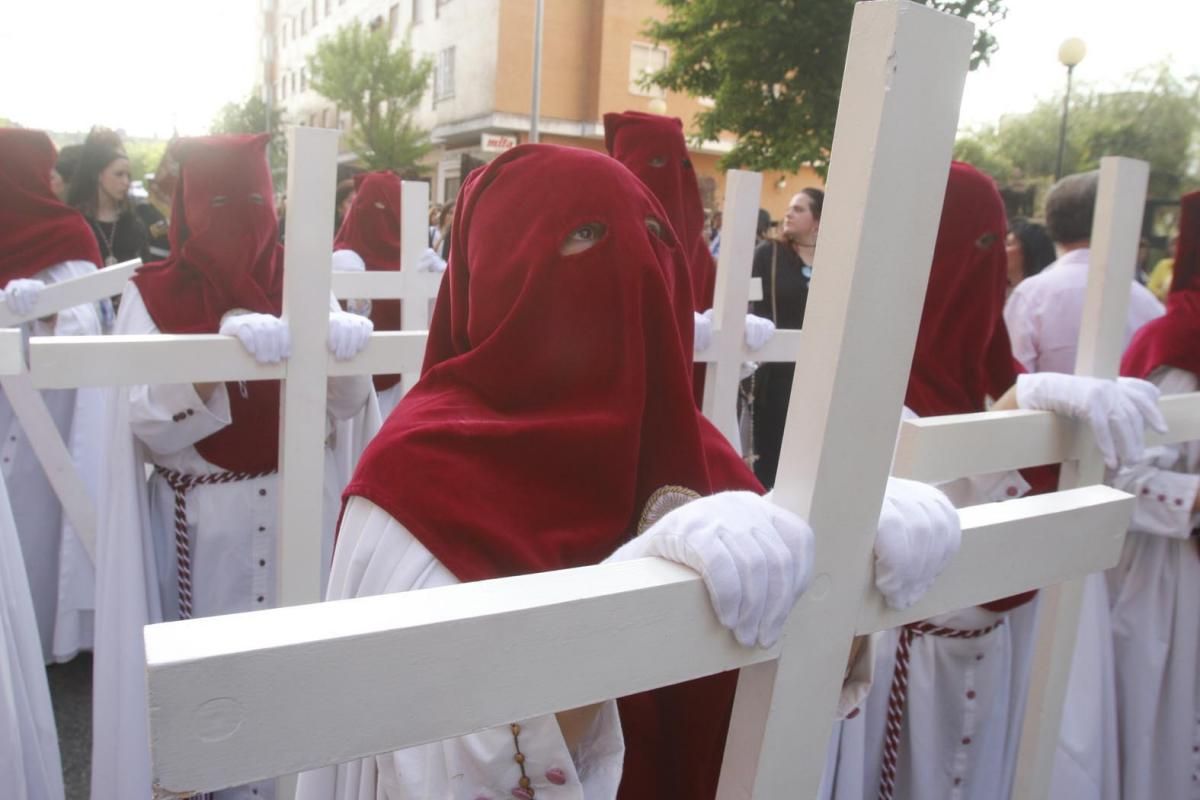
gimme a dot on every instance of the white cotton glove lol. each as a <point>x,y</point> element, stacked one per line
<point>264,336</point>
<point>430,261</point>
<point>21,295</point>
<point>759,331</point>
<point>704,325</point>
<point>755,558</point>
<point>348,334</point>
<point>1117,411</point>
<point>919,532</point>
<point>347,261</point>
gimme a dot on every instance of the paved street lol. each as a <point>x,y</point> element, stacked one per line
<point>71,690</point>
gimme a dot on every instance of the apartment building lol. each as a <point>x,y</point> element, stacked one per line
<point>479,100</point>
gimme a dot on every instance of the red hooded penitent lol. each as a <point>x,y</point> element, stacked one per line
<point>372,230</point>
<point>1173,340</point>
<point>37,230</point>
<point>555,401</point>
<point>225,255</point>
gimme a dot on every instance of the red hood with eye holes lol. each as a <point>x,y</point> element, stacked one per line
<point>554,403</point>
<point>225,255</point>
<point>963,353</point>
<point>654,149</point>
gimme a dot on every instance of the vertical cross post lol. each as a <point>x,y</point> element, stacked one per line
<point>55,458</point>
<point>312,177</point>
<point>1116,231</point>
<point>739,219</point>
<point>414,233</point>
<point>901,92</point>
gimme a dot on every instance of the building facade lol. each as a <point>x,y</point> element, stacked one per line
<point>480,97</point>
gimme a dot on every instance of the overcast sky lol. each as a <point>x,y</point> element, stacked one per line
<point>150,66</point>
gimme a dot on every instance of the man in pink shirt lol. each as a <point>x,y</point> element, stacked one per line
<point>1043,313</point>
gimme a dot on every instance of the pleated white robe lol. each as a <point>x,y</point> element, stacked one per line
<point>232,528</point>
<point>1155,592</point>
<point>30,768</point>
<point>60,571</point>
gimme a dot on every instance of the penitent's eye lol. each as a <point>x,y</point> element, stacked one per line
<point>380,206</point>
<point>218,200</point>
<point>582,238</point>
<point>658,161</point>
<point>655,227</point>
<point>257,198</point>
<point>985,241</point>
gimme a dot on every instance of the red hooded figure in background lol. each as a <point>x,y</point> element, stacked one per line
<point>372,230</point>
<point>37,230</point>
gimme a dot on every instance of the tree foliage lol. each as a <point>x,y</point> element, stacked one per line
<point>774,69</point>
<point>1155,117</point>
<point>144,156</point>
<point>251,117</point>
<point>380,88</point>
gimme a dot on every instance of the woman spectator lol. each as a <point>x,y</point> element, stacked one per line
<point>1029,250</point>
<point>785,268</point>
<point>100,190</point>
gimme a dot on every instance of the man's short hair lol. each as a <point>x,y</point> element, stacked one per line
<point>1070,206</point>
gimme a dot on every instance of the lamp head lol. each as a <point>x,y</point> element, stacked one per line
<point>1071,52</point>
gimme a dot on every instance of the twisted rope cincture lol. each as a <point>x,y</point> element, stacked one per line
<point>898,695</point>
<point>181,483</point>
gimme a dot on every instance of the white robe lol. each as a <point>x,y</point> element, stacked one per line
<point>1155,590</point>
<point>965,698</point>
<point>30,768</point>
<point>59,569</point>
<point>136,579</point>
<point>377,555</point>
<point>389,399</point>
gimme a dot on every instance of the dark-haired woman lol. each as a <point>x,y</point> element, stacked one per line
<point>785,267</point>
<point>1029,250</point>
<point>100,190</point>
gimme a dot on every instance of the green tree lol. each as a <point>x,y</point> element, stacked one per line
<point>774,69</point>
<point>250,116</point>
<point>1154,117</point>
<point>144,156</point>
<point>380,87</point>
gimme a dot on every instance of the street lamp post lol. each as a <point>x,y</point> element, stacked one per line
<point>1070,53</point>
<point>535,111</point>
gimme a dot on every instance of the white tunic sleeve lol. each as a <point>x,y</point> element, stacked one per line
<point>1165,494</point>
<point>377,555</point>
<point>169,417</point>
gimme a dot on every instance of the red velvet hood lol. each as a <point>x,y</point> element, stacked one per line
<point>963,353</point>
<point>225,255</point>
<point>1174,339</point>
<point>372,230</point>
<point>654,149</point>
<point>37,230</point>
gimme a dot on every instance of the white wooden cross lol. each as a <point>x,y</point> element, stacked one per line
<point>69,362</point>
<point>416,289</point>
<point>30,408</point>
<point>244,697</point>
